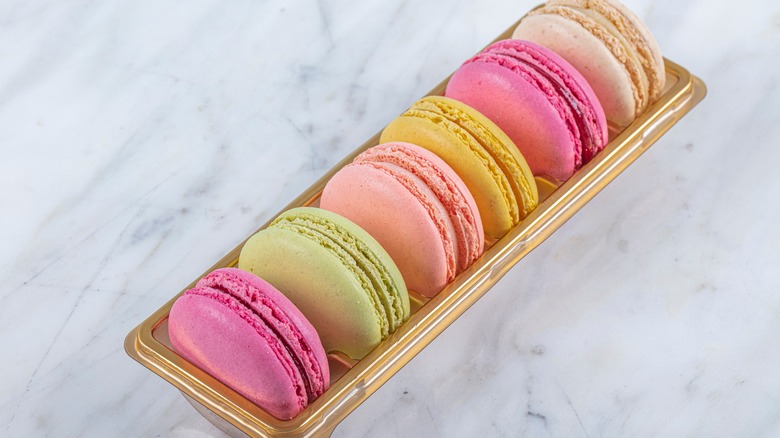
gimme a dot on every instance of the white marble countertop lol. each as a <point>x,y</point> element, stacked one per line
<point>143,140</point>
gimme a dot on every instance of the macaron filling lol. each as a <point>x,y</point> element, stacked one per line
<point>358,258</point>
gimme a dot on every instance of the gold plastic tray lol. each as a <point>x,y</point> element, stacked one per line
<point>149,344</point>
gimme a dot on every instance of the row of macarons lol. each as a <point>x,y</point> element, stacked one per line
<point>411,213</point>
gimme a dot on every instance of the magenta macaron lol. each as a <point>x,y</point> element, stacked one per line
<point>245,333</point>
<point>539,100</point>
<point>416,207</point>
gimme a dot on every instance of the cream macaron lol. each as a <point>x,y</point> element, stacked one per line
<point>608,45</point>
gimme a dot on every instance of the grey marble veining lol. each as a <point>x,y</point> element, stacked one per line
<point>143,140</point>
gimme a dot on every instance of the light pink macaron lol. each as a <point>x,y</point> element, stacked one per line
<point>539,100</point>
<point>416,207</point>
<point>245,333</point>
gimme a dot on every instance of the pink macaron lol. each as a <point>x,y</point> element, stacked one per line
<point>539,100</point>
<point>416,207</point>
<point>245,333</point>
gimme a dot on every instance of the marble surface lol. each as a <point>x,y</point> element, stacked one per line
<point>143,140</point>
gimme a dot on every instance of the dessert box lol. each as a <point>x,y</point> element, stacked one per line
<point>353,381</point>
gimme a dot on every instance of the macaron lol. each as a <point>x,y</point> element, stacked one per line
<point>609,45</point>
<point>539,100</point>
<point>245,333</point>
<point>485,158</point>
<point>416,207</point>
<point>340,278</point>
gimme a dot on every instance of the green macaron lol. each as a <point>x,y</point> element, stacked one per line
<point>335,273</point>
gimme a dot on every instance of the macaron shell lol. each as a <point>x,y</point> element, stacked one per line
<point>320,285</point>
<point>583,112</point>
<point>415,206</point>
<point>638,35</point>
<point>608,77</point>
<point>523,112</point>
<point>503,150</point>
<point>647,48</point>
<point>459,199</point>
<point>492,199</point>
<point>379,204</point>
<point>335,273</point>
<point>282,317</point>
<point>220,342</point>
<point>389,290</point>
<point>629,53</point>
